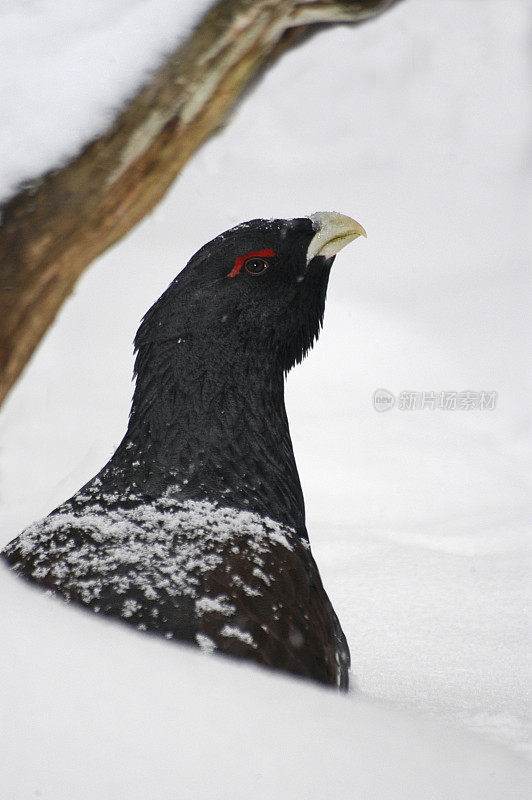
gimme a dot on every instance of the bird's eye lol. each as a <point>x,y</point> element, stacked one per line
<point>256,262</point>
<point>256,266</point>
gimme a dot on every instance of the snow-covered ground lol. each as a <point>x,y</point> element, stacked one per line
<point>94,710</point>
<point>417,124</point>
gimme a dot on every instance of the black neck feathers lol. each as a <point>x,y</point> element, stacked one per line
<point>212,427</point>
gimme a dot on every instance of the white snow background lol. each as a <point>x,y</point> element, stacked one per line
<point>417,124</point>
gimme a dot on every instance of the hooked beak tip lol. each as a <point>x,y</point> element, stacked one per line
<point>333,232</point>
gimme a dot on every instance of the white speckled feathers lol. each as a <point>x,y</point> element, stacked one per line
<point>220,578</point>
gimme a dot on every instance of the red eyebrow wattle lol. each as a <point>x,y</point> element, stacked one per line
<point>239,263</point>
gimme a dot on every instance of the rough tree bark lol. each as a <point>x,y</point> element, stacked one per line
<point>57,224</point>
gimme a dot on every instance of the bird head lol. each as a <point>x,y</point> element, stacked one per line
<point>256,290</point>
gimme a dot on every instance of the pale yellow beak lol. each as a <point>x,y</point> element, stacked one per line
<point>333,232</point>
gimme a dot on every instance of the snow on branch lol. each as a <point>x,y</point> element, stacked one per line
<point>60,222</point>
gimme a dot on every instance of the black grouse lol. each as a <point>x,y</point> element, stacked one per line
<point>195,529</point>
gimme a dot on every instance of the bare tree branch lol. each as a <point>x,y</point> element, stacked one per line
<point>52,229</point>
